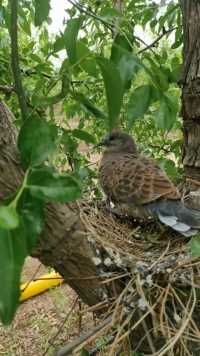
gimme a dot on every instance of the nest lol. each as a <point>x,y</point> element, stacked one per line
<point>154,306</point>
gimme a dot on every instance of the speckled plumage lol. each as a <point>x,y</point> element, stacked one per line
<point>128,177</point>
<point>132,179</point>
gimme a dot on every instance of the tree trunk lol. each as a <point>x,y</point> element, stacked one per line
<point>190,82</point>
<point>64,244</point>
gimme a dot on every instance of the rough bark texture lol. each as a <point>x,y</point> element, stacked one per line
<point>64,243</point>
<point>190,82</point>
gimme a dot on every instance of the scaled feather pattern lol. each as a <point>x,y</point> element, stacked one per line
<point>135,182</point>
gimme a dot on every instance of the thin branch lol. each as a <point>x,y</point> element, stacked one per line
<point>6,89</point>
<point>165,32</point>
<point>15,58</point>
<point>91,13</point>
<point>144,43</point>
<point>70,347</point>
<point>30,72</point>
<point>53,339</point>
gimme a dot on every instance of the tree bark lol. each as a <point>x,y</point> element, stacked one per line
<point>64,244</point>
<point>190,82</point>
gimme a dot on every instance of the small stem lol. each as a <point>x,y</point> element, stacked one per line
<point>15,58</point>
<point>14,202</point>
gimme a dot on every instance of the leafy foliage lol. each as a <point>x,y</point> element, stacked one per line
<point>42,8</point>
<point>107,77</point>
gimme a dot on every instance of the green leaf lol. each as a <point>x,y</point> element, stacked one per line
<point>36,141</point>
<point>9,218</point>
<point>84,56</point>
<point>69,143</point>
<point>165,116</point>
<point>59,44</point>
<point>42,8</point>
<point>195,246</point>
<point>89,106</point>
<point>114,89</point>
<point>158,74</point>
<point>109,12</point>
<point>12,255</point>
<point>169,166</point>
<point>70,37</point>
<point>48,185</point>
<point>25,22</point>
<point>128,67</point>
<point>32,211</point>
<point>84,352</point>
<point>126,62</point>
<point>139,103</point>
<point>121,45</point>
<point>83,135</point>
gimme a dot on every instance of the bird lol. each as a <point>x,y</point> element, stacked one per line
<point>138,185</point>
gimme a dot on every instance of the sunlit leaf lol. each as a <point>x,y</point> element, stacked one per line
<point>9,218</point>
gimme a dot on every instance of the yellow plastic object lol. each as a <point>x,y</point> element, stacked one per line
<point>40,285</point>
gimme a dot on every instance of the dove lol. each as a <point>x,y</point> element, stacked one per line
<point>132,180</point>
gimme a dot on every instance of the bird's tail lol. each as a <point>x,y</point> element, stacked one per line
<point>174,214</point>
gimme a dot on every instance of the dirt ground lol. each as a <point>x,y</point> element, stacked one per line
<point>40,318</point>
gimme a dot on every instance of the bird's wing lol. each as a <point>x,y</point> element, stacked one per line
<point>140,180</point>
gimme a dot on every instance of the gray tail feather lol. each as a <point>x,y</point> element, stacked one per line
<point>174,214</point>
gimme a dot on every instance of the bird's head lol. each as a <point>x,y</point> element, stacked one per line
<point>118,141</point>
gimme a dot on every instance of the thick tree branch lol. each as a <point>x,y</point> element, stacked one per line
<point>15,58</point>
<point>64,244</point>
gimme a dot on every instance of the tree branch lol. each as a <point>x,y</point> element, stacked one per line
<point>91,13</point>
<point>65,243</point>
<point>15,58</point>
<point>70,347</point>
<point>6,89</point>
<point>165,32</point>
